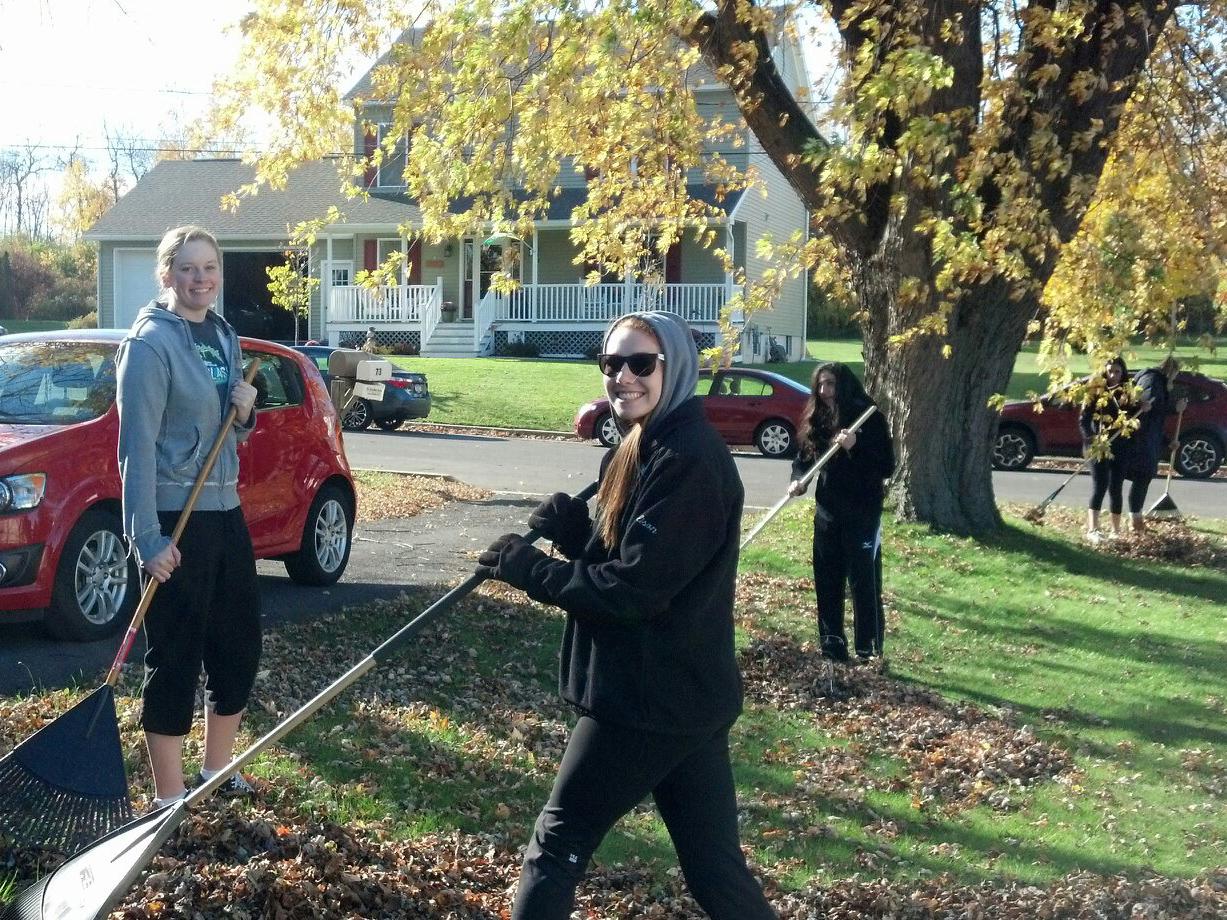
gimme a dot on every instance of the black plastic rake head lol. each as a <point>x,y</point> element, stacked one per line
<point>65,786</point>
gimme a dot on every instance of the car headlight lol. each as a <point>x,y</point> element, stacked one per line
<point>23,492</point>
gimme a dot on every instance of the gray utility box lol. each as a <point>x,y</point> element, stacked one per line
<point>356,373</point>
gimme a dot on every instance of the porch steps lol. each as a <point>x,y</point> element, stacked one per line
<point>450,340</point>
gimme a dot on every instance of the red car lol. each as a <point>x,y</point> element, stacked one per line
<point>62,554</point>
<point>745,405</point>
<point>1023,432</point>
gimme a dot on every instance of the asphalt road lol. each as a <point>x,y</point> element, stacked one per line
<point>439,548</point>
<point>539,467</point>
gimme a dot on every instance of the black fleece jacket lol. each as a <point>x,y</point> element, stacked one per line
<point>852,479</point>
<point>648,641</point>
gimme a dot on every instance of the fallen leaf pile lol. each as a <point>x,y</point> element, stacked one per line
<point>1163,540</point>
<point>957,755</point>
<point>232,861</point>
<point>393,495</point>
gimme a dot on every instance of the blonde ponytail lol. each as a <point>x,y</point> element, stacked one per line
<point>616,487</point>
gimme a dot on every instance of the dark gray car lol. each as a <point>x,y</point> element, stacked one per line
<point>406,396</point>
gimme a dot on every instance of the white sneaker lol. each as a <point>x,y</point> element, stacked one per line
<point>1094,537</point>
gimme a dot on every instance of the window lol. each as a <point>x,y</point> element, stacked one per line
<point>56,383</point>
<point>278,384</point>
<point>703,387</point>
<point>737,385</point>
<point>341,275</point>
<point>392,169</point>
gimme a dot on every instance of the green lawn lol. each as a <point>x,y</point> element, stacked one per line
<point>530,393</point>
<point>1027,649</point>
<point>1049,709</point>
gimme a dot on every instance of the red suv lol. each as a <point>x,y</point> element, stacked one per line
<point>62,552</point>
<point>1023,432</point>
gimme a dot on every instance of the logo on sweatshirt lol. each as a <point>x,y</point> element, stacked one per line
<point>648,525</point>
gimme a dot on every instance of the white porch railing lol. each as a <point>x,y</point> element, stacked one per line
<point>385,305</point>
<point>582,303</point>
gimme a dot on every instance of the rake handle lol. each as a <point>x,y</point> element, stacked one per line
<point>1171,460</point>
<point>381,654</point>
<point>138,617</point>
<point>805,480</point>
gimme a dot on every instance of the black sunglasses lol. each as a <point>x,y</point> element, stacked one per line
<point>641,363</point>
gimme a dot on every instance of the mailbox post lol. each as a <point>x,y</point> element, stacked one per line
<point>354,374</point>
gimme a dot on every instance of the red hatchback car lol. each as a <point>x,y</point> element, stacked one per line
<point>747,406</point>
<point>62,554</point>
<point>1023,433</point>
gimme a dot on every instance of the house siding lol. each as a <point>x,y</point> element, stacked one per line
<point>778,214</point>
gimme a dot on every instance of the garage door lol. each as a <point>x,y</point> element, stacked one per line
<point>134,283</point>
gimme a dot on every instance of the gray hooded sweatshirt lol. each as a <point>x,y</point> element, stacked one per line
<point>169,415</point>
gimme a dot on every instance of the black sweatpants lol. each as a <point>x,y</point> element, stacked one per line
<point>606,771</point>
<point>207,613</point>
<point>848,549</point>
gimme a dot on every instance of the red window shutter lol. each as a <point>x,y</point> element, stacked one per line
<point>370,255</point>
<point>369,142</point>
<point>415,262</point>
<point>673,264</point>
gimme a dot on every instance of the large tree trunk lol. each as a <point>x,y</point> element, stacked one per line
<point>938,407</point>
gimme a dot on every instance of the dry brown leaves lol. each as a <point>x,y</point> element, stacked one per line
<point>393,495</point>
<point>234,861</point>
<point>1163,540</point>
<point>957,755</point>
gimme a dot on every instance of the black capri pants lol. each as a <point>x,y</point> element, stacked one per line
<point>606,771</point>
<point>207,613</point>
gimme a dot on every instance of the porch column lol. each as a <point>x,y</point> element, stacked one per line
<point>403,312</point>
<point>536,280</point>
<point>729,246</point>
<point>326,293</point>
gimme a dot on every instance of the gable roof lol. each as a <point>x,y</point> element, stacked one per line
<point>178,192</point>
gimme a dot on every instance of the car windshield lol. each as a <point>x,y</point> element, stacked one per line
<point>55,383</point>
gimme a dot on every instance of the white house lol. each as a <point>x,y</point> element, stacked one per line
<point>442,302</point>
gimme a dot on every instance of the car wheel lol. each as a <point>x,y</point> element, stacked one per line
<point>96,583</point>
<point>357,416</point>
<point>1199,455</point>
<point>1014,448</point>
<point>389,424</point>
<point>775,438</point>
<point>606,430</point>
<point>326,540</point>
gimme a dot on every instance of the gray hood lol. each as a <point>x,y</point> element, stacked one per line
<point>681,358</point>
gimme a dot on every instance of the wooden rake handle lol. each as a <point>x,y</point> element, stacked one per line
<point>138,617</point>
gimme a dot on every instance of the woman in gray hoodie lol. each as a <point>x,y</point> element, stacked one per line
<point>180,369</point>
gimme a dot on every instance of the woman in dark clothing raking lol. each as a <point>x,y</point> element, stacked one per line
<point>647,651</point>
<point>1104,403</point>
<point>1157,403</point>
<point>848,509</point>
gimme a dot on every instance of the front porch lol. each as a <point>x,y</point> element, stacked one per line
<point>555,319</point>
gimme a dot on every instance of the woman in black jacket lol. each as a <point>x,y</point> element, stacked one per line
<point>647,652</point>
<point>847,510</point>
<point>1103,404</point>
<point>1157,402</point>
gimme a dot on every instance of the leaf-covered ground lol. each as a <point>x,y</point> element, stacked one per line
<point>864,792</point>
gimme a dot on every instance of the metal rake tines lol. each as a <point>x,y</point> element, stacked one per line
<point>40,815</point>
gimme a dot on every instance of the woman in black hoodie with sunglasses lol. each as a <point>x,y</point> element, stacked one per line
<point>647,653</point>
<point>847,508</point>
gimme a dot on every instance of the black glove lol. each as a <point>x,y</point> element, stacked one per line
<point>563,520</point>
<point>511,559</point>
